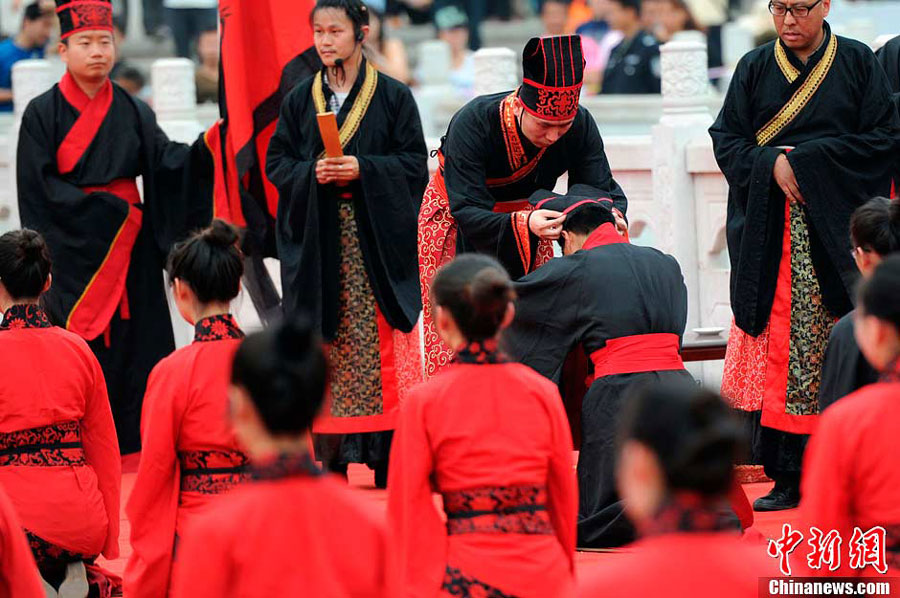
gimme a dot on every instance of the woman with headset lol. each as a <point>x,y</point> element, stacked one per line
<point>346,233</point>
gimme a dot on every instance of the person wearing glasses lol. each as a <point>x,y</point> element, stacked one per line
<point>807,134</point>
<point>875,234</point>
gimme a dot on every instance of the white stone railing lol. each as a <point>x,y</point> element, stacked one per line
<point>677,195</point>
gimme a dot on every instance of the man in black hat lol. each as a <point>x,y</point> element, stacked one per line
<point>82,146</point>
<point>630,329</point>
<point>498,150</point>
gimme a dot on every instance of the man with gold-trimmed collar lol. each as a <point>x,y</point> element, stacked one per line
<point>806,134</point>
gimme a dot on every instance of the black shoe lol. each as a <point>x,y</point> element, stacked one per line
<point>779,499</point>
<point>381,475</point>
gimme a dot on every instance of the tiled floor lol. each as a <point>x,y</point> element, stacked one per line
<point>767,524</point>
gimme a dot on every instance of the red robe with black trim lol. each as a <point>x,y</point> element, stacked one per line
<point>49,377</point>
<point>486,436</point>
<point>185,425</point>
<point>851,475</point>
<point>290,532</point>
<point>19,576</point>
<point>77,168</point>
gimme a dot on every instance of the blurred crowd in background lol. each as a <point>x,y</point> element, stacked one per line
<point>620,37</point>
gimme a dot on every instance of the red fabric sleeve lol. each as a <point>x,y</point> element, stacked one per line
<point>101,450</point>
<point>203,566</point>
<point>19,576</point>
<point>416,532</point>
<point>562,488</point>
<point>153,505</point>
<point>741,504</point>
<point>826,486</point>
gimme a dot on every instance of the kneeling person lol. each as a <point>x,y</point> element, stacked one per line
<point>289,530</point>
<point>627,307</point>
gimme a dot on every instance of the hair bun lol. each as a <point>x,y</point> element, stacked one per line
<point>32,246</point>
<point>221,234</point>
<point>490,288</point>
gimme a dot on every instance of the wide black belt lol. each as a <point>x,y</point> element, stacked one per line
<point>498,510</point>
<point>56,445</point>
<point>212,472</point>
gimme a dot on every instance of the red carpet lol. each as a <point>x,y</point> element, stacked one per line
<point>767,524</point>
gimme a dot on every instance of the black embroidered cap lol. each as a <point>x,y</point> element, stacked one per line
<point>578,196</point>
<point>84,15</point>
<point>553,72</point>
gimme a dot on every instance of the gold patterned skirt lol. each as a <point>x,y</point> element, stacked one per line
<point>779,371</point>
<point>372,364</point>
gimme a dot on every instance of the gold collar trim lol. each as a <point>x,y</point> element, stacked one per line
<point>801,97</point>
<point>357,111</point>
<point>789,71</point>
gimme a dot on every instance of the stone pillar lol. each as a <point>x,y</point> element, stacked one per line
<point>434,89</point>
<point>434,62</point>
<point>685,90</point>
<point>496,70</point>
<point>30,78</point>
<point>737,40</point>
<point>135,25</point>
<point>175,98</point>
<point>175,104</point>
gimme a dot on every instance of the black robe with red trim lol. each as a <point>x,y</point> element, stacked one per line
<point>85,230</point>
<point>477,161</point>
<point>844,139</point>
<point>607,291</point>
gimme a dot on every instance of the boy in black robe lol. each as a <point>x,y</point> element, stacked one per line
<point>875,232</point>
<point>806,134</point>
<point>346,235</point>
<point>499,149</point>
<point>626,307</point>
<point>82,146</point>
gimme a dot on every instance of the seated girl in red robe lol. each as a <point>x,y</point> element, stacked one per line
<point>190,454</point>
<point>493,439</point>
<point>59,455</point>
<point>851,483</point>
<point>677,445</point>
<point>289,531</point>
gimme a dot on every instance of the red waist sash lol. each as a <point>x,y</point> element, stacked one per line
<point>639,353</point>
<point>105,292</point>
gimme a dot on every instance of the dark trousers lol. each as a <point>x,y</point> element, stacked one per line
<point>782,456</point>
<point>133,346</point>
<point>187,24</point>
<point>153,15</point>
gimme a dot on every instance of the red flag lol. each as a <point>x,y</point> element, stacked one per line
<point>266,50</point>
